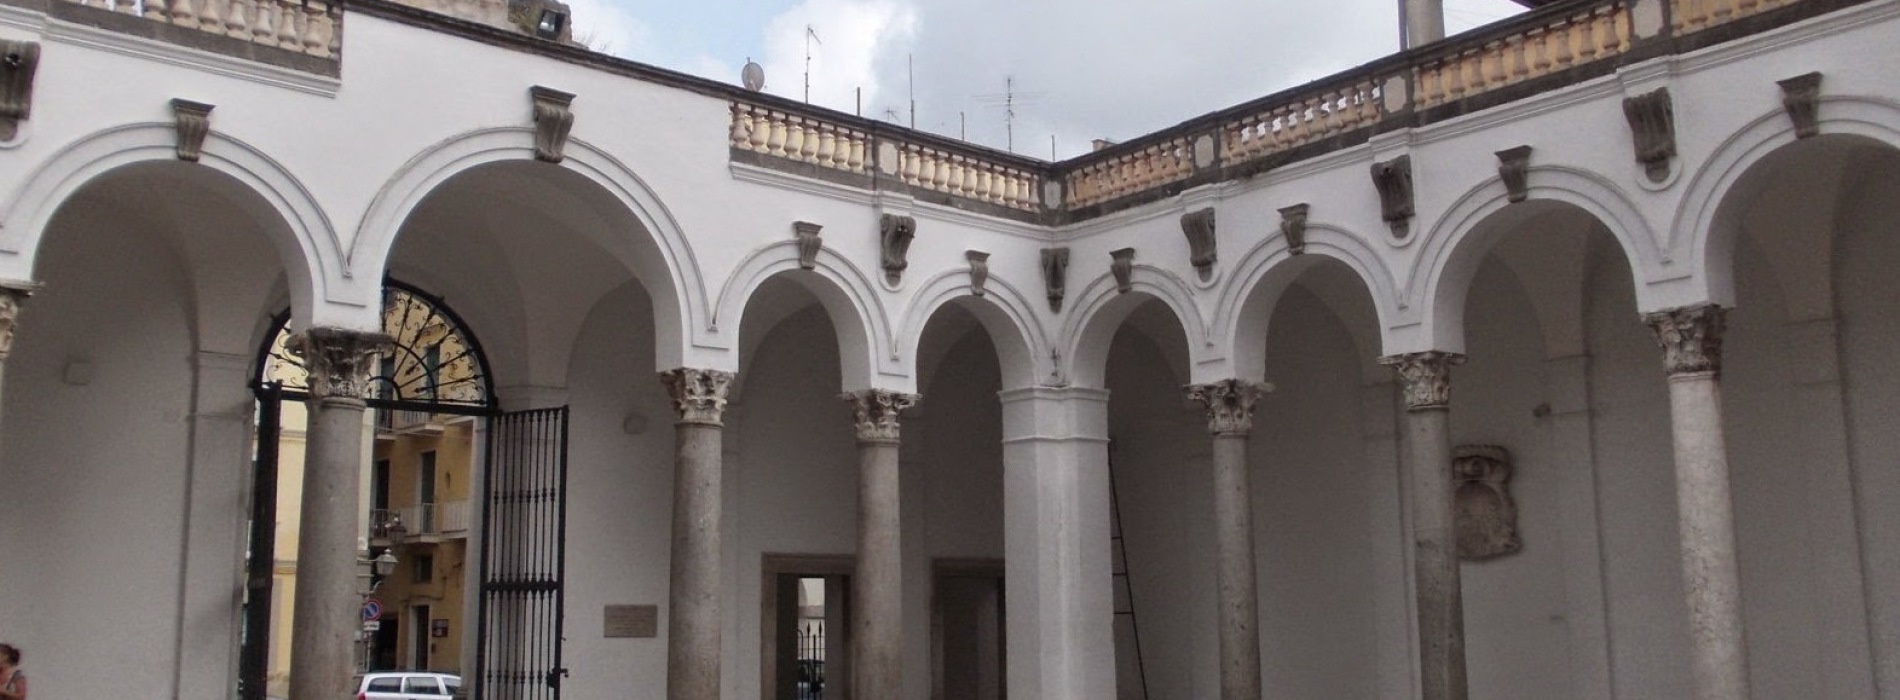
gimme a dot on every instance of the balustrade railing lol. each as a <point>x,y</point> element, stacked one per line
<point>1587,34</point>
<point>302,26</point>
<point>1305,118</point>
<point>1120,175</point>
<point>1688,16</point>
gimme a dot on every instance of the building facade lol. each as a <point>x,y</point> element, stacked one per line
<point>1545,361</point>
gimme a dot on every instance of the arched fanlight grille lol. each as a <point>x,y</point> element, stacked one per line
<point>435,365</point>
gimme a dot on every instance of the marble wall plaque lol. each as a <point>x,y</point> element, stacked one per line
<point>642,621</point>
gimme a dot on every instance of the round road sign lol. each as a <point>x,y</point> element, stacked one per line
<point>372,610</point>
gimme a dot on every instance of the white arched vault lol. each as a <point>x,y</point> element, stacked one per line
<point>1005,312</point>
<point>1706,225</point>
<point>1099,310</point>
<point>849,297</point>
<point>298,229</point>
<point>655,250</point>
<point>1431,311</point>
<point>1262,276</point>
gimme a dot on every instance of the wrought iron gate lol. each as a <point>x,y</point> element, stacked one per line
<point>524,504</point>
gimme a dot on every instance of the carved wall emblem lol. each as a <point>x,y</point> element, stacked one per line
<point>1199,227</point>
<point>1514,168</point>
<point>1801,97</point>
<point>806,235</point>
<point>1393,178</point>
<point>1293,226</point>
<point>1486,514</point>
<point>1055,274</point>
<point>979,270</point>
<point>1652,121</point>
<point>194,123</point>
<point>894,234</point>
<point>19,60</point>
<point>553,118</point>
<point>1122,264</point>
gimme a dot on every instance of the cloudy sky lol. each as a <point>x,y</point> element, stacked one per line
<point>1081,69</point>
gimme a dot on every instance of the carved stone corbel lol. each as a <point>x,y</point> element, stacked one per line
<point>19,60</point>
<point>806,235</point>
<point>1393,178</point>
<point>553,118</point>
<point>1199,227</point>
<point>979,270</point>
<point>1514,168</point>
<point>1293,226</point>
<point>194,124</point>
<point>894,234</point>
<point>1652,119</point>
<point>1055,274</point>
<point>1122,264</point>
<point>1801,97</point>
<point>1486,519</point>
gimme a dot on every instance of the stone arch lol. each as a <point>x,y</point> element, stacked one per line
<point>1431,310</point>
<point>661,259</point>
<point>866,359</point>
<point>1704,231</point>
<point>299,229</point>
<point>1005,312</point>
<point>1099,310</point>
<point>1263,274</point>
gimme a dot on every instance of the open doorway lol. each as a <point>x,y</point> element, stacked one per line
<point>806,628</point>
<point>967,648</point>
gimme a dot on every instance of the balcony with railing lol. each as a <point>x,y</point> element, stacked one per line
<point>304,35</point>
<point>393,422</point>
<point>1542,50</point>
<point>421,522</point>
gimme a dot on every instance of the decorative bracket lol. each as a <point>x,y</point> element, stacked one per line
<point>894,234</point>
<point>19,60</point>
<point>194,123</point>
<point>1514,168</point>
<point>1199,227</point>
<point>1487,516</point>
<point>1801,97</point>
<point>1122,264</point>
<point>1393,178</point>
<point>979,270</point>
<point>808,241</point>
<point>1652,119</point>
<point>553,118</point>
<point>1293,226</point>
<point>1055,274</point>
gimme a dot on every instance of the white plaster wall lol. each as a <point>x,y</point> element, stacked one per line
<point>92,507</point>
<point>619,500</point>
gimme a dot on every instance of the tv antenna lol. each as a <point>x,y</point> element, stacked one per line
<point>1008,99</point>
<point>811,35</point>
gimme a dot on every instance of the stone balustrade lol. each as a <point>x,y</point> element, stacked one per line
<point>303,26</point>
<point>1123,174</point>
<point>1539,50</point>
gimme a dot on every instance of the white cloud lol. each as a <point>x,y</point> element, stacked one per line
<point>851,37</point>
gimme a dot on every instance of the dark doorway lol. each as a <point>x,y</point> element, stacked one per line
<point>388,642</point>
<point>967,632</point>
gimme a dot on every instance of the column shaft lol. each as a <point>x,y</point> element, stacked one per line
<point>324,621</point>
<point>1426,437</point>
<point>877,593</point>
<point>1239,595</point>
<point>693,646</point>
<point>1692,353</point>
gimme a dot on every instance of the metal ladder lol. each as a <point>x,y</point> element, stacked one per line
<point>1123,592</point>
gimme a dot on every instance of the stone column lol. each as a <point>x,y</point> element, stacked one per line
<point>877,587</point>
<point>1230,404</point>
<point>1691,340</point>
<point>13,297</point>
<point>1426,435</point>
<point>693,623</point>
<point>323,636</point>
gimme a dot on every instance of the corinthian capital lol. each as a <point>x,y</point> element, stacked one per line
<point>1427,377</point>
<point>1229,403</point>
<point>12,298</point>
<point>698,394</point>
<point>1691,338</point>
<point>339,360</point>
<point>876,413</point>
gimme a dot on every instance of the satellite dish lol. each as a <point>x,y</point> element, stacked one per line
<point>752,76</point>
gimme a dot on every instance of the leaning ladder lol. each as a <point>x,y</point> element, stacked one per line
<point>1124,593</point>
